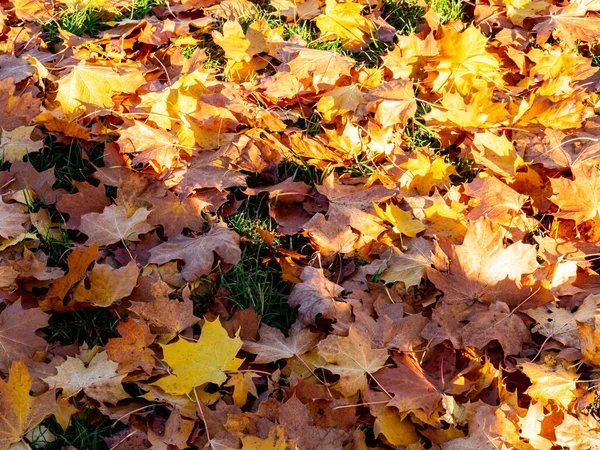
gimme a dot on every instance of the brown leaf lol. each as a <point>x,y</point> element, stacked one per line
<point>411,387</point>
<point>18,337</point>
<point>131,350</point>
<point>198,252</point>
<point>113,225</point>
<point>273,345</point>
<point>482,269</point>
<point>317,296</point>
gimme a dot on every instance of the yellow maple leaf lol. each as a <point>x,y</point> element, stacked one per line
<point>340,101</point>
<point>551,383</point>
<point>204,361</point>
<point>19,412</point>
<point>464,62</point>
<point>402,221</point>
<point>345,22</point>
<point>496,153</point>
<point>423,174</point>
<point>93,85</point>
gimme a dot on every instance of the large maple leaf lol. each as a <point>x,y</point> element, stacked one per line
<point>200,362</point>
<point>20,412</point>
<point>482,269</point>
<point>114,225</point>
<point>93,85</point>
<point>198,252</point>
<point>352,358</point>
<point>18,338</point>
<point>578,199</point>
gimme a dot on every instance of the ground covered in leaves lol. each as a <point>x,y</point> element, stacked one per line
<point>309,224</point>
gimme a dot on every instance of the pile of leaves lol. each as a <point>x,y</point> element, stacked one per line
<point>309,224</point>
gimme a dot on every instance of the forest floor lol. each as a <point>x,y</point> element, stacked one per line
<point>299,224</point>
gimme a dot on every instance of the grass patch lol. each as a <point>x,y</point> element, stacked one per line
<point>82,433</point>
<point>88,21</point>
<point>448,10</point>
<point>71,162</point>
<point>300,170</point>
<point>57,249</point>
<point>94,327</point>
<point>404,15</point>
<point>255,282</point>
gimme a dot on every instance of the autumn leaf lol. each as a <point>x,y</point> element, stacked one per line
<point>401,221</point>
<point>394,102</point>
<point>167,317</point>
<point>18,337</point>
<point>200,362</point>
<point>12,219</point>
<point>345,22</point>
<point>131,349</point>
<point>86,85</point>
<point>98,380</point>
<point>352,359</point>
<point>482,269</point>
<point>198,252</point>
<point>551,383</point>
<point>106,285</point>
<point>113,225</point>
<point>316,295</point>
<point>17,143</point>
<point>273,345</point>
<point>19,411</point>
<point>577,198</point>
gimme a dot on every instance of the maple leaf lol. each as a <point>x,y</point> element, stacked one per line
<point>233,41</point>
<point>340,101</point>
<point>131,350</point>
<point>394,102</point>
<point>78,262</point>
<point>200,362</point>
<point>175,213</point>
<point>20,412</point>
<point>345,22</point>
<point>99,380</point>
<point>198,252</point>
<point>578,198</point>
<point>167,317</point>
<point>276,440</point>
<point>497,323</point>
<point>463,61</point>
<point>409,266</point>
<point>412,388</point>
<point>107,285</point>
<point>273,345</point>
<point>481,269</point>
<point>88,85</point>
<point>423,174</point>
<point>562,324</point>
<point>496,153</point>
<point>88,198</point>
<point>17,143</point>
<point>18,338</point>
<point>114,225</point>
<point>551,383</point>
<point>316,295</point>
<point>402,222</point>
<point>158,147</point>
<point>352,358</point>
<point>12,219</point>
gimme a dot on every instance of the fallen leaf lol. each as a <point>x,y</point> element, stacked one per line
<point>19,411</point>
<point>200,362</point>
